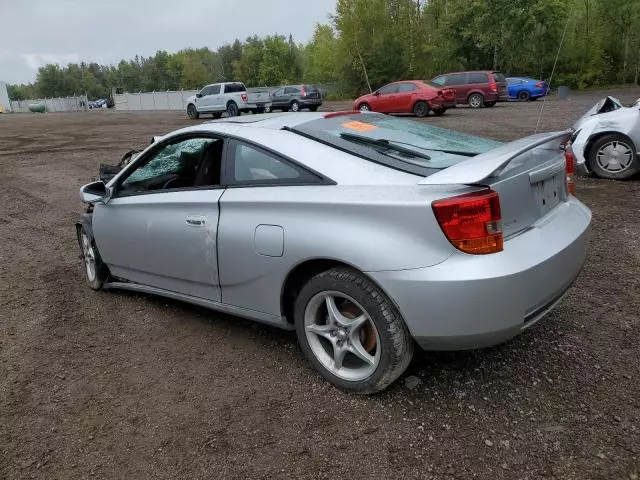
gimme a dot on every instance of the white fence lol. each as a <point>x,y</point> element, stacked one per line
<point>153,100</point>
<point>175,100</point>
<point>65,104</point>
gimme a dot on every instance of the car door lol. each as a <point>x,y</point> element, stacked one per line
<point>203,99</point>
<point>405,98</point>
<point>216,99</point>
<point>160,225</point>
<point>458,81</point>
<point>254,220</point>
<point>384,100</point>
<point>277,99</point>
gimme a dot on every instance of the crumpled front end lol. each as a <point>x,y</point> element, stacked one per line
<point>607,116</point>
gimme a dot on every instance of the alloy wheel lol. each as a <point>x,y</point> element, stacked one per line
<point>89,257</point>
<point>342,336</point>
<point>615,156</point>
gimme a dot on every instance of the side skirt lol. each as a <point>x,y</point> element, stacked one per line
<point>261,317</point>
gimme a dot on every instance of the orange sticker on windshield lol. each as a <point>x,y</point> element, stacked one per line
<point>359,126</point>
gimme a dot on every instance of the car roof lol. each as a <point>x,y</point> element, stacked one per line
<point>269,130</point>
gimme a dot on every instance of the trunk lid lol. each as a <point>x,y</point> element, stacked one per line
<point>528,174</point>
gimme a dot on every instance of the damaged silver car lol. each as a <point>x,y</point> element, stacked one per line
<point>607,138</point>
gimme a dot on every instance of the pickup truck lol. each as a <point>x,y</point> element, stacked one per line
<point>230,97</point>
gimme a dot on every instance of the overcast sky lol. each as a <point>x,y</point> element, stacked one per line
<point>36,32</point>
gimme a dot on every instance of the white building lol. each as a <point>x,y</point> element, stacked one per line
<point>4,98</point>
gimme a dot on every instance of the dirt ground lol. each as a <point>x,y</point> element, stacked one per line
<point>118,385</point>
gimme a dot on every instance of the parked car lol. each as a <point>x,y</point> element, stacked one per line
<point>477,89</point>
<point>367,234</point>
<point>409,96</point>
<point>523,88</point>
<point>229,97</point>
<point>606,140</point>
<point>296,98</point>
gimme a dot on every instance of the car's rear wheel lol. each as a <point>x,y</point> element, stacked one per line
<point>232,109</point>
<point>523,96</point>
<point>95,271</point>
<point>267,108</point>
<point>439,111</point>
<point>475,100</point>
<point>364,107</point>
<point>614,157</point>
<point>192,112</point>
<point>351,332</point>
<point>294,106</point>
<point>421,109</point>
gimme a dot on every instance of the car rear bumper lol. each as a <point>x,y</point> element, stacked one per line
<point>473,301</point>
<point>442,104</point>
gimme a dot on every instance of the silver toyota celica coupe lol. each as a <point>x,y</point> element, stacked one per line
<point>365,233</point>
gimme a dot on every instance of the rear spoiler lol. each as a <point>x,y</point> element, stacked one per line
<point>486,164</point>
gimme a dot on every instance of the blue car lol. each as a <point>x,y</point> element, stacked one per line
<point>523,88</point>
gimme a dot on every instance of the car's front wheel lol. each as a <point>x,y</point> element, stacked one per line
<point>614,157</point>
<point>364,107</point>
<point>475,100</point>
<point>95,271</point>
<point>192,111</point>
<point>351,332</point>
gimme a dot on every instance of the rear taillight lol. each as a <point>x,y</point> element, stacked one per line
<point>244,97</point>
<point>540,84</point>
<point>493,87</point>
<point>472,222</point>
<point>570,168</point>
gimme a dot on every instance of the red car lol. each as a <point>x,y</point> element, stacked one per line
<point>410,96</point>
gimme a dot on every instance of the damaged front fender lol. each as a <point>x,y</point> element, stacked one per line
<point>606,117</point>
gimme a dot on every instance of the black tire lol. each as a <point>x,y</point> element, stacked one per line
<point>396,344</point>
<point>88,251</point>
<point>523,96</point>
<point>232,109</point>
<point>439,111</point>
<point>625,143</point>
<point>313,108</point>
<point>216,115</point>
<point>475,100</point>
<point>364,107</point>
<point>490,104</point>
<point>192,112</point>
<point>294,106</point>
<point>421,109</point>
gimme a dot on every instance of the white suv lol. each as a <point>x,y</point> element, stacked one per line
<point>230,97</point>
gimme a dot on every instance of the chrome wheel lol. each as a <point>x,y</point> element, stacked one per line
<point>89,257</point>
<point>295,107</point>
<point>267,109</point>
<point>364,108</point>
<point>475,100</point>
<point>342,336</point>
<point>615,156</point>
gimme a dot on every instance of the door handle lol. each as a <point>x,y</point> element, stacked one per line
<point>196,221</point>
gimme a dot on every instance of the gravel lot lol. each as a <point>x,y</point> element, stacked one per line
<point>118,385</point>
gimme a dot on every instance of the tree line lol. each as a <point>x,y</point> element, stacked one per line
<point>368,43</point>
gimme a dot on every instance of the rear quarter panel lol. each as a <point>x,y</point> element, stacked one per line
<point>371,228</point>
